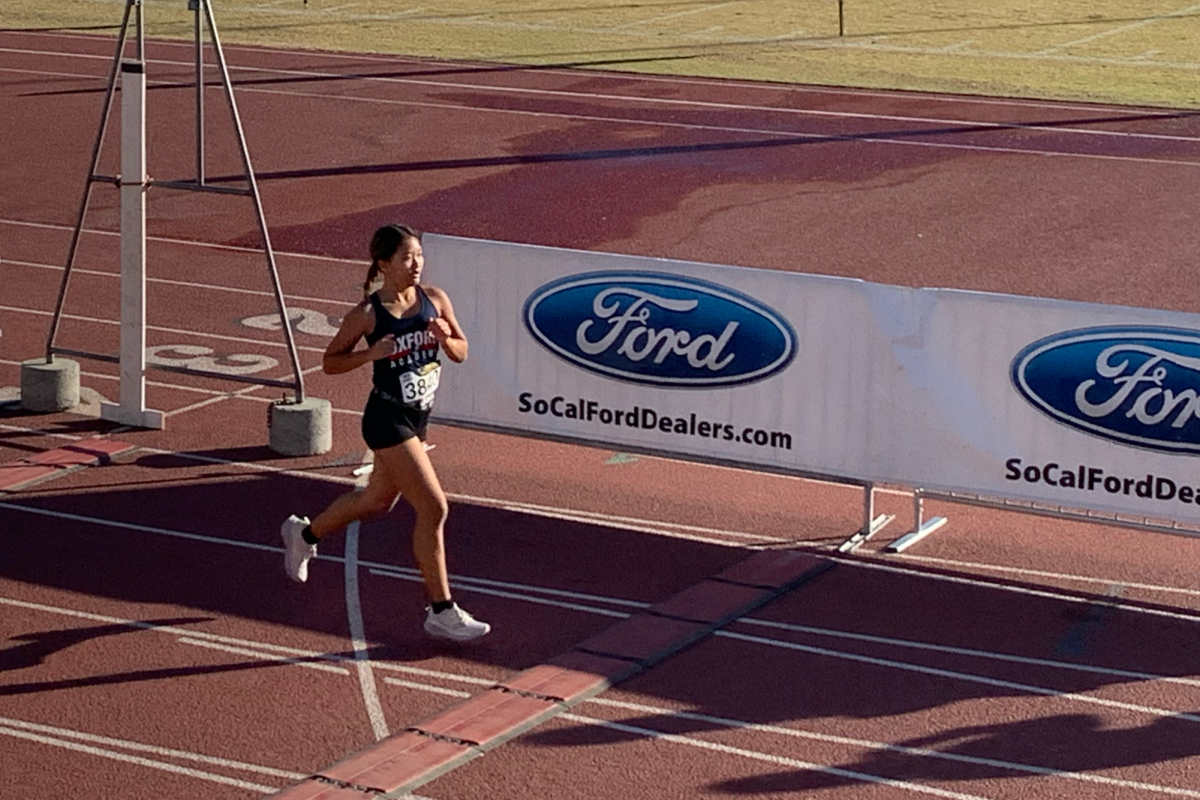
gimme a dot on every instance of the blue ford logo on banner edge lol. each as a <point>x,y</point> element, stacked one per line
<point>659,329</point>
<point>1134,385</point>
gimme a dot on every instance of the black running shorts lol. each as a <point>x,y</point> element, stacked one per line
<point>386,423</point>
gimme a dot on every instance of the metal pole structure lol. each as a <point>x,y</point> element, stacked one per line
<point>132,407</point>
<point>133,83</point>
<point>253,183</point>
<point>194,5</point>
<point>92,177</point>
<point>841,18</point>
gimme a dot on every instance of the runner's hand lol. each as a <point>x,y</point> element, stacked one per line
<point>384,348</point>
<point>440,329</point>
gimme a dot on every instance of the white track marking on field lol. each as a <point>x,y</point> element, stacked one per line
<point>1117,31</point>
<point>358,636</point>
<point>165,752</point>
<point>665,17</point>
<point>798,42</point>
<point>139,760</point>
<point>677,80</point>
<point>828,42</point>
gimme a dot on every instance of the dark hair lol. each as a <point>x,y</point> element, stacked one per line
<point>384,244</point>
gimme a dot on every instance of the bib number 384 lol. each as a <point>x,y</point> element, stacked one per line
<point>417,387</point>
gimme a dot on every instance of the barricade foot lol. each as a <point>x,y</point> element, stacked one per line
<point>302,428</point>
<point>49,387</point>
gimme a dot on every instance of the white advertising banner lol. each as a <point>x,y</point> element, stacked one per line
<point>1084,405</point>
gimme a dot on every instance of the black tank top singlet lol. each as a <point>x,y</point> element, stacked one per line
<point>416,346</point>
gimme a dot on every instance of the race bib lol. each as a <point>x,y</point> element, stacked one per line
<point>417,387</point>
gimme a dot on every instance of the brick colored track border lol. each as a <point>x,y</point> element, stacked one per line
<point>49,464</point>
<point>397,765</point>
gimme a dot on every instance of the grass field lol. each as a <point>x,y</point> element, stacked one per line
<point>1144,52</point>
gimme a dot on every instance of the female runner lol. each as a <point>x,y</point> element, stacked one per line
<point>404,324</point>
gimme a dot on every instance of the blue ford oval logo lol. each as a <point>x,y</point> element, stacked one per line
<point>660,330</point>
<point>1132,385</point>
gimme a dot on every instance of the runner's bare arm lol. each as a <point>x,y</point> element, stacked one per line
<point>446,328</point>
<point>340,355</point>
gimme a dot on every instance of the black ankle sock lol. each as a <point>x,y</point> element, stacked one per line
<point>308,536</point>
<point>441,605</point>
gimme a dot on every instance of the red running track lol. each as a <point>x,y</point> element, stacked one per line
<point>152,646</point>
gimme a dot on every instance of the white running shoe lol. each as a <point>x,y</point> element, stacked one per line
<point>454,624</point>
<point>296,552</point>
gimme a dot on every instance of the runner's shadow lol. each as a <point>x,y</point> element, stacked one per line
<point>1076,743</point>
<point>38,647</point>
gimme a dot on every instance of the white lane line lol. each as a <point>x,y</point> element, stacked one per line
<point>243,651</point>
<point>472,587</point>
<point>358,636</point>
<point>784,761</point>
<point>868,744</point>
<point>1038,573</point>
<point>138,760</point>
<point>343,302</point>
<point>528,593</point>
<point>164,752</point>
<point>965,651</point>
<point>1120,29</point>
<point>1131,608</point>
<point>1003,587</point>
<point>169,240</point>
<point>798,733</point>
<point>425,687</point>
<point>47,73</point>
<point>178,331</point>
<point>738,723</point>
<point>594,97</point>
<point>961,676</point>
<point>237,394</point>
<point>723,722</point>
<point>610,520</point>
<point>667,529</point>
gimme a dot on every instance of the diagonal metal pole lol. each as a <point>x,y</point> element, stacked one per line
<point>92,177</point>
<point>253,183</point>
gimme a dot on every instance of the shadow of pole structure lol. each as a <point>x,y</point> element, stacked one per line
<point>134,183</point>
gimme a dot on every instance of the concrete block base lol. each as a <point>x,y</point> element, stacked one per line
<point>301,429</point>
<point>46,388</point>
